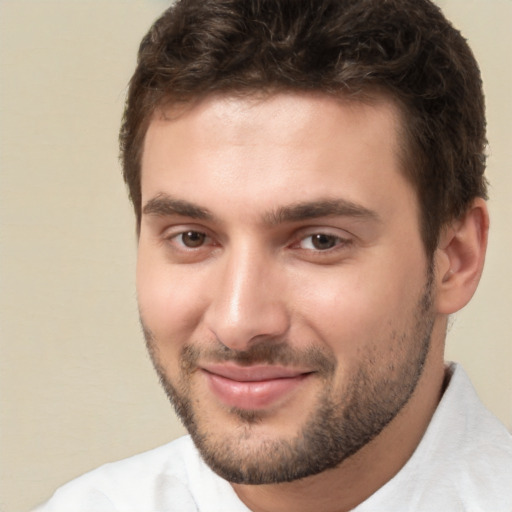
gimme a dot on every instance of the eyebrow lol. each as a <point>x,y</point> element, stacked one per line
<point>165,205</point>
<point>320,208</point>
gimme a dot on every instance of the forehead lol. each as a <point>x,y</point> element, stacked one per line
<point>285,147</point>
<point>264,115</point>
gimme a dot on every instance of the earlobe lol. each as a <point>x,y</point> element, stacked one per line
<point>460,258</point>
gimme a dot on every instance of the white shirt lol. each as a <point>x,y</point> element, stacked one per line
<point>463,463</point>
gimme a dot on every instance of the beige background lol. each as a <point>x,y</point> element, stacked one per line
<point>76,386</point>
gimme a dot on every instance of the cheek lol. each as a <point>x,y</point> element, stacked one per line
<point>354,310</point>
<point>170,302</point>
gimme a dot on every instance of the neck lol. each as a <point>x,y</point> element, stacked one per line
<point>358,477</point>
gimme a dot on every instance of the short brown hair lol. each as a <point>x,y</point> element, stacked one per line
<point>404,48</point>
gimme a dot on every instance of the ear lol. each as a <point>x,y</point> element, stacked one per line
<point>460,257</point>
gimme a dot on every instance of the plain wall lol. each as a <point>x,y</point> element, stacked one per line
<point>76,386</point>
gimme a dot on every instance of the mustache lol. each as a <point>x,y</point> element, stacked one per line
<point>267,351</point>
<point>263,352</point>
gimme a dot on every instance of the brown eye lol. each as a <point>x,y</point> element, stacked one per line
<point>322,242</point>
<point>193,239</point>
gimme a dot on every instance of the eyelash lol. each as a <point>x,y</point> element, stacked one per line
<point>336,242</point>
<point>178,237</point>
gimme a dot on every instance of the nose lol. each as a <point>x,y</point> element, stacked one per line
<point>247,304</point>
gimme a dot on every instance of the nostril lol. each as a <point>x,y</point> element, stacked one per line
<point>238,328</point>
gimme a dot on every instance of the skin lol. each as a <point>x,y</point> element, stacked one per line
<point>228,264</point>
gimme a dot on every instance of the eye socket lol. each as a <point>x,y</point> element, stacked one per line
<point>185,244</point>
<point>192,239</point>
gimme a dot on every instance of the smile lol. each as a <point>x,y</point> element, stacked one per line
<point>253,387</point>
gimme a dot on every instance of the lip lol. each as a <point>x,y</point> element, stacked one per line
<point>253,387</point>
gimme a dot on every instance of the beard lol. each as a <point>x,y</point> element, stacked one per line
<point>341,422</point>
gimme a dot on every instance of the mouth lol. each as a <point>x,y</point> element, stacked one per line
<point>253,387</point>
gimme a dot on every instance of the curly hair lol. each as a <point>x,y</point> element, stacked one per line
<point>405,49</point>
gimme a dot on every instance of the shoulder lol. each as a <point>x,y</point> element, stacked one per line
<point>135,483</point>
<point>477,446</point>
<point>463,462</point>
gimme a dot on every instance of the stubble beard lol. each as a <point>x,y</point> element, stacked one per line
<point>338,427</point>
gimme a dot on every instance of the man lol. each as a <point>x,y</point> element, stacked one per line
<point>308,182</point>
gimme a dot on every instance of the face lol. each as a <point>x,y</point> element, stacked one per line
<point>282,282</point>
